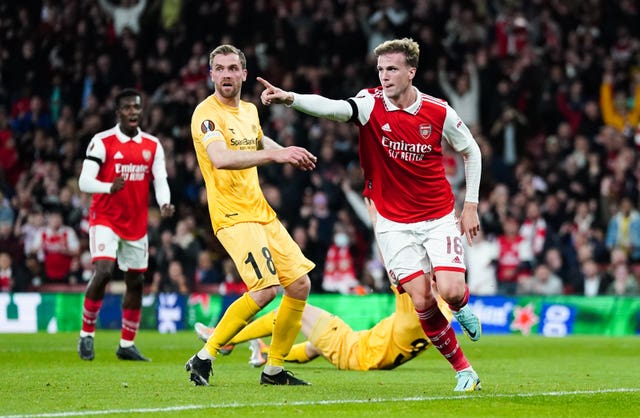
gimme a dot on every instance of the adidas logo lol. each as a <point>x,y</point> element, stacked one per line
<point>386,127</point>
<point>456,260</point>
<point>118,156</point>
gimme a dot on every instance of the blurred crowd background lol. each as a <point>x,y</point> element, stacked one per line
<point>549,88</point>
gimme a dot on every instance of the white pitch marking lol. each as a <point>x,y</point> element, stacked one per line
<point>326,402</point>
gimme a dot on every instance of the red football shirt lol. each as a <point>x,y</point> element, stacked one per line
<point>138,159</point>
<point>508,258</point>
<point>401,154</point>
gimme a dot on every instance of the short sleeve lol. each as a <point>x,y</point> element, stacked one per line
<point>96,150</point>
<point>206,128</point>
<point>364,102</point>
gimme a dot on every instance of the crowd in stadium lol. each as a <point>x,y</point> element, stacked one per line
<point>549,89</point>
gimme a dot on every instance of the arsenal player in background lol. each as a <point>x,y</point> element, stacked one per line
<point>119,165</point>
<point>401,133</point>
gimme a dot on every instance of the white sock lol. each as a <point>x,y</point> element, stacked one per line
<point>125,343</point>
<point>204,355</point>
<point>272,370</point>
<point>87,334</point>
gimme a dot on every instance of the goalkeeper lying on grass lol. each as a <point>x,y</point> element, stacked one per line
<point>393,341</point>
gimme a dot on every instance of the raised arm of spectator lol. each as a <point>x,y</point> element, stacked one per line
<point>443,81</point>
<point>139,7</point>
<point>609,115</point>
<point>474,80</point>
<point>107,6</point>
<point>357,204</point>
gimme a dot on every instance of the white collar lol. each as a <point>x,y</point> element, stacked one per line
<point>413,108</point>
<point>124,138</point>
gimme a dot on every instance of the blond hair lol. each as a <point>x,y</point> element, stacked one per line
<point>226,50</point>
<point>406,46</point>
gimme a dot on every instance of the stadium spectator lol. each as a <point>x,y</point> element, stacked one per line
<point>542,282</point>
<point>464,96</point>
<point>119,166</point>
<point>339,273</point>
<point>230,144</point>
<point>555,260</point>
<point>509,267</point>
<point>167,251</point>
<point>481,259</point>
<point>173,280</point>
<point>189,243</point>
<point>35,118</point>
<point>624,283</point>
<point>7,214</point>
<point>126,15</point>
<point>11,243</point>
<point>400,165</point>
<point>533,231</point>
<point>593,282</point>
<point>10,165</point>
<point>13,276</point>
<point>614,104</point>
<point>623,230</point>
<point>56,244</point>
<point>205,273</point>
<point>494,210</point>
<point>507,132</point>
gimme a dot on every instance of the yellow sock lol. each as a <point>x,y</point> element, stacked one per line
<point>261,327</point>
<point>233,320</point>
<point>298,353</point>
<point>285,329</point>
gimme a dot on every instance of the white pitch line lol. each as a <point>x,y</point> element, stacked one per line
<point>325,402</point>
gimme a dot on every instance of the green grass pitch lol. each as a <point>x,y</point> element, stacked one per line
<point>41,375</point>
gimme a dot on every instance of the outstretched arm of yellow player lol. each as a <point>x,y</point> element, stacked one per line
<point>226,159</point>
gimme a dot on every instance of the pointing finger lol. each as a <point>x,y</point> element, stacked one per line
<point>265,83</point>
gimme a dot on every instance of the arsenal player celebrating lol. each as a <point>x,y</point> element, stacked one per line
<point>120,164</point>
<point>401,130</point>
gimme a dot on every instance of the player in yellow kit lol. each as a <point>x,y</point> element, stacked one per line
<point>393,341</point>
<point>229,145</point>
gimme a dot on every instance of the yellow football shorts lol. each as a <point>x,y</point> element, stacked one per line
<point>264,254</point>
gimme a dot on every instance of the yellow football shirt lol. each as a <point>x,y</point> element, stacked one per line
<point>234,196</point>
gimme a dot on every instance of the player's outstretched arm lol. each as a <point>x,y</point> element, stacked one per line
<point>311,104</point>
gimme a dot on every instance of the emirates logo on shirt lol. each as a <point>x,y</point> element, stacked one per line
<point>425,130</point>
<point>132,172</point>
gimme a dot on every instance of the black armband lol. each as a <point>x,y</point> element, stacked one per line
<point>354,108</point>
<point>96,159</point>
